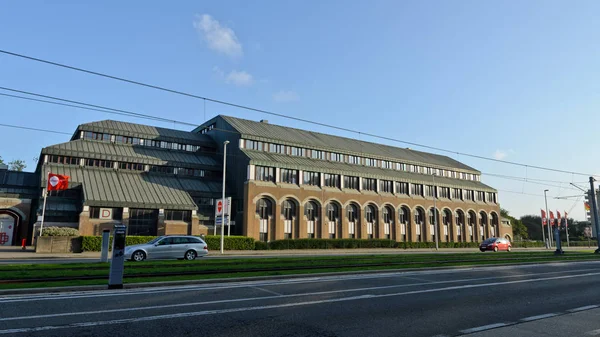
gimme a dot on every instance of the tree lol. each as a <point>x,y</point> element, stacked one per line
<point>17,165</point>
<point>1,161</point>
<point>519,229</point>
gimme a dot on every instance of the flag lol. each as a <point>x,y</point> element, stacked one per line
<point>57,182</point>
<point>587,206</point>
<point>544,220</point>
<point>551,218</point>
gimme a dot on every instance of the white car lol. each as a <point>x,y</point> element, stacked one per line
<point>168,247</point>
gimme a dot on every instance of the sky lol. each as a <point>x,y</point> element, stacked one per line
<point>510,80</point>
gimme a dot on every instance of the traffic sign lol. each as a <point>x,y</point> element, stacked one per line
<point>219,220</point>
<point>221,207</point>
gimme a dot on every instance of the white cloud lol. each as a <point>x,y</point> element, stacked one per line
<point>239,78</point>
<point>285,96</point>
<point>499,154</point>
<point>219,38</point>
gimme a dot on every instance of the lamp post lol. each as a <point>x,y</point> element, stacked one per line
<point>547,222</point>
<point>225,207</point>
<point>435,227</point>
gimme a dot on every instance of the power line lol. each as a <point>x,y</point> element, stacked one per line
<point>34,129</point>
<point>526,180</point>
<point>281,115</point>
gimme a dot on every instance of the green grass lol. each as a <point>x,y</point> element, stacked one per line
<point>238,267</point>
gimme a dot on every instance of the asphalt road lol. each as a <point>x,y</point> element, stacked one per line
<point>426,303</point>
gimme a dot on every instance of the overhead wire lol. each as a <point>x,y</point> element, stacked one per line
<point>240,106</point>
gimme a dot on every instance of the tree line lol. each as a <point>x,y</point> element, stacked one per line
<point>529,227</point>
<point>15,165</point>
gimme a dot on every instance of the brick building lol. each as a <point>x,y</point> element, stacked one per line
<point>284,183</point>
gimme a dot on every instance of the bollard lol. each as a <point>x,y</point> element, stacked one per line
<point>24,244</point>
<point>105,243</point>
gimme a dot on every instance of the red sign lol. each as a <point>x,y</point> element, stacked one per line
<point>3,238</point>
<point>544,220</point>
<point>219,206</point>
<point>57,182</point>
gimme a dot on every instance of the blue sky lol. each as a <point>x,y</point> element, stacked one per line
<point>504,79</point>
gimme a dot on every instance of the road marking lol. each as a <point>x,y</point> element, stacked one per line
<point>245,284</point>
<point>483,328</point>
<point>275,306</point>
<point>268,291</point>
<point>593,332</point>
<point>587,307</point>
<point>535,318</point>
<point>417,279</point>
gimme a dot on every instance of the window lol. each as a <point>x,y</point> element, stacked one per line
<point>403,215</point>
<point>491,197</point>
<point>369,184</point>
<point>432,219</point>
<point>331,180</point>
<point>444,192</point>
<point>131,166</point>
<point>288,176</point>
<point>401,188</point>
<point>176,215</point>
<point>453,174</point>
<point>162,169</point>
<point>63,160</point>
<point>386,186</point>
<point>106,213</point>
<point>105,137</point>
<point>265,173</point>
<point>386,164</point>
<point>351,182</point>
<point>276,148</point>
<point>142,222</point>
<point>370,214</point>
<point>189,172</point>
<point>353,160</point>
<point>311,178</point>
<point>315,154</point>
<point>469,194</point>
<point>296,151</point>
<point>457,193</point>
<point>430,191</point>
<point>333,212</point>
<point>480,196</point>
<point>254,145</point>
<point>99,163</point>
<point>429,171</point>
<point>370,162</point>
<point>416,189</point>
<point>336,157</point>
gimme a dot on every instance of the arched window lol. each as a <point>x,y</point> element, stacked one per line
<point>403,220</point>
<point>420,223</point>
<point>370,213</point>
<point>352,213</point>
<point>311,211</point>
<point>264,208</point>
<point>387,215</point>
<point>289,210</point>
<point>333,211</point>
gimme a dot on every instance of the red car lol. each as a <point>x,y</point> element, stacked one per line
<point>495,244</point>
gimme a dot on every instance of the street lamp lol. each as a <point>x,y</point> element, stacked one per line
<point>435,227</point>
<point>547,222</point>
<point>225,207</point>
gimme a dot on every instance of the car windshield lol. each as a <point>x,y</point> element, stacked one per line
<point>154,240</point>
<point>490,240</point>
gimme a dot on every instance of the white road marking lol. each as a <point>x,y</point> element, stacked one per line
<point>593,333</point>
<point>538,317</point>
<point>268,291</point>
<point>483,328</point>
<point>245,284</point>
<point>587,307</point>
<point>275,306</point>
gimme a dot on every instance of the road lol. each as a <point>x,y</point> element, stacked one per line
<point>426,303</point>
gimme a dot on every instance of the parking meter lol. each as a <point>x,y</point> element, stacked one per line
<point>115,278</point>
<point>105,243</point>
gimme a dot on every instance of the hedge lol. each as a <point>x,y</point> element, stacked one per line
<point>94,243</point>
<point>60,231</point>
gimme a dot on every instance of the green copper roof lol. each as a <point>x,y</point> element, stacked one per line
<point>307,164</point>
<point>297,137</point>
<point>131,153</point>
<point>110,188</point>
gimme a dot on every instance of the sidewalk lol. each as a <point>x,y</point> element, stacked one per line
<point>8,253</point>
<point>581,323</point>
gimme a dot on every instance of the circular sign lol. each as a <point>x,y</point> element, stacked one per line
<point>54,181</point>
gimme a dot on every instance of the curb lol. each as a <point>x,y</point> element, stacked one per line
<point>56,290</point>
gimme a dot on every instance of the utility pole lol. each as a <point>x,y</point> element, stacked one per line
<point>595,212</point>
<point>435,226</point>
<point>547,222</point>
<point>223,201</point>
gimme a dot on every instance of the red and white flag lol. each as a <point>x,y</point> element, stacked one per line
<point>57,182</point>
<point>551,218</point>
<point>544,220</point>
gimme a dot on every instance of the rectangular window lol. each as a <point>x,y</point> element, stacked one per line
<point>429,191</point>
<point>401,188</point>
<point>416,189</point>
<point>99,163</point>
<point>63,160</point>
<point>131,166</point>
<point>480,196</point>
<point>429,170</point>
<point>353,160</point>
<point>386,164</point>
<point>369,184</point>
<point>142,222</point>
<point>351,182</point>
<point>296,151</point>
<point>469,195</point>
<point>457,193</point>
<point>387,186</point>
<point>444,192</point>
<point>370,162</point>
<point>336,157</point>
<point>317,154</point>
<point>264,173</point>
<point>331,180</point>
<point>176,215</point>
<point>254,145</point>
<point>162,169</point>
<point>288,176</point>
<point>311,178</point>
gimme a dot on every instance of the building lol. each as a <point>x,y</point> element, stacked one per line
<point>284,183</point>
<point>292,183</point>
<point>18,194</point>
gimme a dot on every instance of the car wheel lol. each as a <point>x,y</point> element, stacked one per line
<point>190,255</point>
<point>482,250</point>
<point>138,256</point>
<point>496,249</point>
<point>509,249</point>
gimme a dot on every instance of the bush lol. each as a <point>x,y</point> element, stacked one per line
<point>528,244</point>
<point>94,243</point>
<point>60,231</point>
<point>259,245</point>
